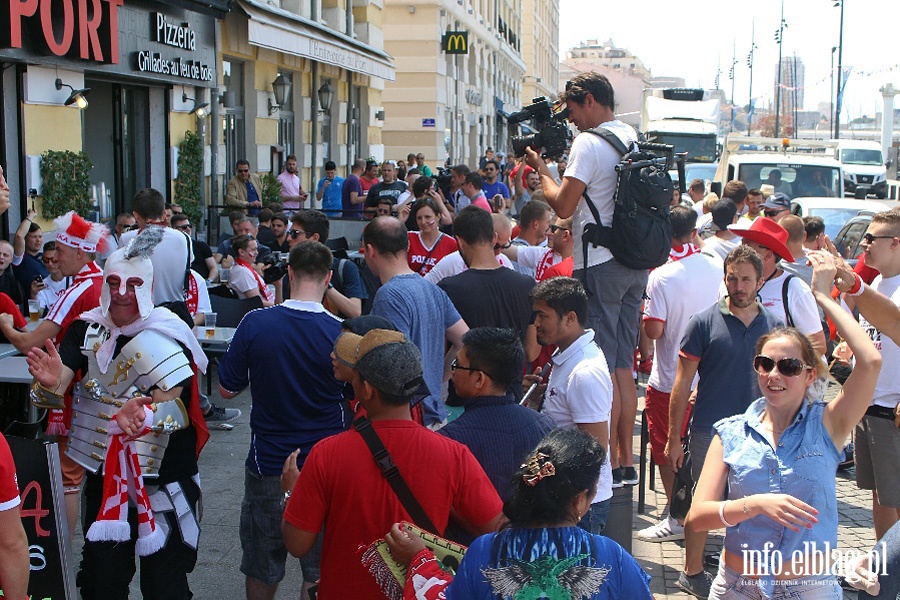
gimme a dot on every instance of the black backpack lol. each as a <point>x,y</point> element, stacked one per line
<point>641,233</point>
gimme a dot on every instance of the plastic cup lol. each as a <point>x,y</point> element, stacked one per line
<point>224,274</point>
<point>34,310</point>
<point>210,324</point>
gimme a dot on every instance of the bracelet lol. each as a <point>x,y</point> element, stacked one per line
<point>722,515</point>
<point>746,512</point>
<point>43,397</point>
<point>858,286</point>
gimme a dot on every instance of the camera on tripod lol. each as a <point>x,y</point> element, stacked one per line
<point>552,135</point>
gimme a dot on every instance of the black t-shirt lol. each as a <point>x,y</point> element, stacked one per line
<point>180,459</point>
<point>10,286</point>
<point>265,236</point>
<point>28,270</point>
<point>202,251</point>
<point>384,190</point>
<point>491,298</point>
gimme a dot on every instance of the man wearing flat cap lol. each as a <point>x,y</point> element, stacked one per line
<point>342,489</point>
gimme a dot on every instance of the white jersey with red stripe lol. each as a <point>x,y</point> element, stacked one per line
<point>81,296</point>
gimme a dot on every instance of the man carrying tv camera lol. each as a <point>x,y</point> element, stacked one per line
<point>614,291</point>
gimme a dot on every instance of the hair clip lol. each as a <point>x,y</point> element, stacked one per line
<point>537,467</point>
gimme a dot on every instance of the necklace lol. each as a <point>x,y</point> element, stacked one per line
<point>771,428</point>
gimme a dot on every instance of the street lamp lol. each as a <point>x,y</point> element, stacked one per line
<point>840,74</point>
<point>325,94</point>
<point>281,87</point>
<point>779,38</point>
<point>750,65</point>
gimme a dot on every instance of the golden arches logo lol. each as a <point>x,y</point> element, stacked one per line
<point>456,42</point>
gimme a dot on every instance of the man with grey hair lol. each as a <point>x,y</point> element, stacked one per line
<point>342,490</point>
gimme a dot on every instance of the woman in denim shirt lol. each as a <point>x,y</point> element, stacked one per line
<point>778,461</point>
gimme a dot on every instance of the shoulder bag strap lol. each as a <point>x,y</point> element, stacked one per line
<point>784,300</point>
<point>392,474</point>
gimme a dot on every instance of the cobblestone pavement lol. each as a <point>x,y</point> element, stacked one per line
<point>217,574</point>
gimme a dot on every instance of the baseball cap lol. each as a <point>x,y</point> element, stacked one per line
<point>767,189</point>
<point>386,359</point>
<point>778,200</point>
<point>723,213</point>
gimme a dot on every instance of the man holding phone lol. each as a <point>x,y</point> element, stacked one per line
<point>388,187</point>
<point>328,192</point>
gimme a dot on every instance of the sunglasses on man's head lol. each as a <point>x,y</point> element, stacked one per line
<point>789,367</point>
<point>555,228</point>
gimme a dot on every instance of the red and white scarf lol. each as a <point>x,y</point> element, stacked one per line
<point>122,480</point>
<point>682,251</point>
<point>263,288</point>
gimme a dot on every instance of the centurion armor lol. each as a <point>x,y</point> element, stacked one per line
<point>149,360</point>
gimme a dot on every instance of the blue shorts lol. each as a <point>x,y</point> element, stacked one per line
<point>264,552</point>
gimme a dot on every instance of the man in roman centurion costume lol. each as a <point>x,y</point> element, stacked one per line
<point>136,428</point>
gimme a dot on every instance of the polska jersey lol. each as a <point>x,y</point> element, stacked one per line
<point>422,259</point>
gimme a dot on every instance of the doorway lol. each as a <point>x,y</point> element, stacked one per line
<point>117,140</point>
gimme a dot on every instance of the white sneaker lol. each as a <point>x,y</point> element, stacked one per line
<point>667,530</point>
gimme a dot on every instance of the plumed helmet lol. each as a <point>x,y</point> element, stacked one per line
<point>133,261</point>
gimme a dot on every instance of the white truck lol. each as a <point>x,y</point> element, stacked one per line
<point>864,168</point>
<point>686,118</point>
<point>798,168</point>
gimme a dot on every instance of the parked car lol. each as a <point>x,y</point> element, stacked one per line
<point>835,211</point>
<point>848,239</point>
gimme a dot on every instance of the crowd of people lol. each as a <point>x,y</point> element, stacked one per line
<point>473,375</point>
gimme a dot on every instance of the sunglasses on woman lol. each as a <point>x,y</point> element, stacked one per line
<point>789,367</point>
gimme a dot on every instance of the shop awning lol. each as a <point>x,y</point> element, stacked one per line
<point>282,31</point>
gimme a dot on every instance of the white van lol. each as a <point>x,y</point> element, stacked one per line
<point>864,167</point>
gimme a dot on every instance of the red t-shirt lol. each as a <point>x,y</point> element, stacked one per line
<point>81,296</point>
<point>9,487</point>
<point>8,306</point>
<point>341,488</point>
<point>421,259</point>
<point>366,183</point>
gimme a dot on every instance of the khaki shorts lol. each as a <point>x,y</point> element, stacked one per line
<point>877,454</point>
<point>72,472</point>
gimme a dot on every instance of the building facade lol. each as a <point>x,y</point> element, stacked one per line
<point>451,106</point>
<point>610,56</point>
<point>540,49</point>
<point>129,67</point>
<point>301,77</point>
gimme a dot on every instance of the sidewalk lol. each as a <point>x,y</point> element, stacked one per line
<point>217,574</point>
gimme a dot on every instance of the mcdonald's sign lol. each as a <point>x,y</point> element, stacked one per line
<point>456,42</point>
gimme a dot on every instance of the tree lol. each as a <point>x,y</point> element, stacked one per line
<point>766,125</point>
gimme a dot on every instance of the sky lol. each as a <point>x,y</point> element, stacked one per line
<point>694,39</point>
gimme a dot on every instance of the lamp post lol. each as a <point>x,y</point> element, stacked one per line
<point>734,63</point>
<point>831,107</point>
<point>779,38</point>
<point>840,74</point>
<point>750,65</point>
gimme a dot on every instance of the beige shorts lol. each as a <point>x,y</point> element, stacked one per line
<point>877,454</point>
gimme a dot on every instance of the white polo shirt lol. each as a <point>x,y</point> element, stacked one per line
<point>580,391</point>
